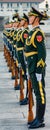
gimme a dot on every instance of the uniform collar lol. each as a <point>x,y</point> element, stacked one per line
<point>30,27</point>
<point>34,28</point>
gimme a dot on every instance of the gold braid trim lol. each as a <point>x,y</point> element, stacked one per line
<point>19,49</point>
<point>22,34</point>
<point>30,13</point>
<point>41,92</point>
<point>14,38</point>
<point>18,35</point>
<point>41,63</point>
<point>33,37</point>
<point>27,54</point>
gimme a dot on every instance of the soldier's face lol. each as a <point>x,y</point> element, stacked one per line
<point>22,22</point>
<point>15,24</point>
<point>31,19</point>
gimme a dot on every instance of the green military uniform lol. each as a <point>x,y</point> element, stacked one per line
<point>20,47</point>
<point>35,51</point>
<point>14,44</point>
<point>15,37</point>
<point>36,57</point>
<point>24,35</point>
<point>7,36</point>
<point>21,37</point>
<point>11,41</point>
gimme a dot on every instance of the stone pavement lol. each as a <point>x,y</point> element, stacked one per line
<point>12,115</point>
<point>1,41</point>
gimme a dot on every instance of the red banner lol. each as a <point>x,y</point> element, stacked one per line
<point>21,1</point>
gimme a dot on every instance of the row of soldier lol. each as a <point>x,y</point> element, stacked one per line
<point>25,53</point>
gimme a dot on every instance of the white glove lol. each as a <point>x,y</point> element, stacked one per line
<point>38,76</point>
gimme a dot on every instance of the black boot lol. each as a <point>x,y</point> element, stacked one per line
<point>24,101</point>
<point>39,120</point>
<point>36,124</point>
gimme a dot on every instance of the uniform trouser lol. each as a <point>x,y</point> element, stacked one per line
<point>22,61</point>
<point>39,90</point>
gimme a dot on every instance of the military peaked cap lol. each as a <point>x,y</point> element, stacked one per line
<point>25,17</point>
<point>35,12</point>
<point>15,16</point>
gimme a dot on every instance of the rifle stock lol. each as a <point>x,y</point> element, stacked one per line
<point>21,86</point>
<point>30,105</point>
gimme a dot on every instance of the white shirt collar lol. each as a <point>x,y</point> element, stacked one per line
<point>32,28</point>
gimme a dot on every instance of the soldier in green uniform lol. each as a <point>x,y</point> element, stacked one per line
<point>22,34</point>
<point>17,87</point>
<point>36,57</point>
<point>20,43</point>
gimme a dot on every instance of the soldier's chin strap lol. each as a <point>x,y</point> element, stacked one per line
<point>34,20</point>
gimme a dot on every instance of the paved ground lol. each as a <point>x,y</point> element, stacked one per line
<point>1,41</point>
<point>12,115</point>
